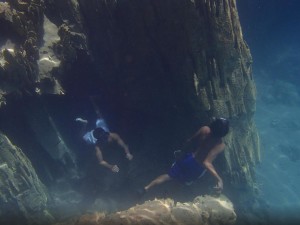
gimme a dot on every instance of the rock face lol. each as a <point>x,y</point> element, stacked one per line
<point>203,211</point>
<point>26,57</point>
<point>158,61</point>
<point>23,197</point>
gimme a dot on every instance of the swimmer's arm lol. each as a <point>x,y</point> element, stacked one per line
<point>115,137</point>
<point>101,161</point>
<point>201,133</point>
<point>209,166</point>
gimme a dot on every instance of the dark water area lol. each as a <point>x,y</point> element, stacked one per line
<point>272,30</point>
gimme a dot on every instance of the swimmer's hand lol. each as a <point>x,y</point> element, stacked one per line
<point>81,120</point>
<point>115,169</point>
<point>129,156</point>
<point>219,187</point>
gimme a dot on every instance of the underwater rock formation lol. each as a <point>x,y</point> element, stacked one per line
<point>48,136</point>
<point>161,61</point>
<point>204,210</point>
<point>26,56</point>
<point>23,197</point>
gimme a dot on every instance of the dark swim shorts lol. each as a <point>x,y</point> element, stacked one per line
<point>187,169</point>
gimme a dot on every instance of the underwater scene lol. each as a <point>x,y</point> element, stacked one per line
<point>149,112</point>
<point>271,28</point>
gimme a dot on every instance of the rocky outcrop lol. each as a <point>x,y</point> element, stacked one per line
<point>46,133</point>
<point>26,56</point>
<point>204,210</point>
<point>229,90</point>
<point>23,197</point>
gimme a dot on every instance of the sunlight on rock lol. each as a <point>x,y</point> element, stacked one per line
<point>203,210</point>
<point>46,64</point>
<point>8,46</point>
<point>225,204</point>
<point>48,60</point>
<point>51,31</point>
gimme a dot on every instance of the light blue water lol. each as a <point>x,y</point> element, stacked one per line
<point>272,29</point>
<point>278,174</point>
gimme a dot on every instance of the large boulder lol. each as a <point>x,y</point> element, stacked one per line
<point>204,210</point>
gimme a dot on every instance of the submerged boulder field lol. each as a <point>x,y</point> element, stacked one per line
<point>159,69</point>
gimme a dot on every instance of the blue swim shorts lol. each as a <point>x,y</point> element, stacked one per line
<point>187,169</point>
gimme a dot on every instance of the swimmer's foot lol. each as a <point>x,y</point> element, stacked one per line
<point>178,154</point>
<point>215,191</point>
<point>81,120</point>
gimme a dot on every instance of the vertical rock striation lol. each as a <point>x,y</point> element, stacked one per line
<point>228,88</point>
<point>23,197</point>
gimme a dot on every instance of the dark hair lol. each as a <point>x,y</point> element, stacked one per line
<point>219,127</point>
<point>100,134</point>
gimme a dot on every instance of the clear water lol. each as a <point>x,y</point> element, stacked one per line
<point>272,30</point>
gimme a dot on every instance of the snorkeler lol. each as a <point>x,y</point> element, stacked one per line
<point>101,136</point>
<point>192,165</point>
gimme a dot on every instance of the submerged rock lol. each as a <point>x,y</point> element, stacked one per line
<point>23,196</point>
<point>204,210</point>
